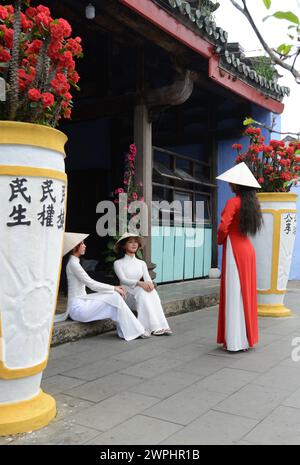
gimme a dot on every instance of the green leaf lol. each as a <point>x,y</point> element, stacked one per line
<point>267,3</point>
<point>284,49</point>
<point>248,121</point>
<point>110,259</point>
<point>288,15</point>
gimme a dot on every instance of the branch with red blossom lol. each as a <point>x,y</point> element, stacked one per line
<point>37,61</point>
<point>276,165</point>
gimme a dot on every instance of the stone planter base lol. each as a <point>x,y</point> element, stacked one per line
<point>274,311</point>
<point>29,415</point>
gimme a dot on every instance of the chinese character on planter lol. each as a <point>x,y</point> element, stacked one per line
<point>63,194</point>
<point>18,215</point>
<point>48,190</point>
<point>295,226</point>
<point>17,187</point>
<point>46,216</point>
<point>288,224</point>
<point>61,219</point>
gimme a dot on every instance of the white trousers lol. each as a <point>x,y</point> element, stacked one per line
<point>100,306</point>
<point>235,326</point>
<point>149,309</point>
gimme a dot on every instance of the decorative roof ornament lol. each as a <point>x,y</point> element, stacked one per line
<point>232,57</point>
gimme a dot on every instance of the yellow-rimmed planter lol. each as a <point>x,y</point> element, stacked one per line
<point>274,249</point>
<point>33,188</point>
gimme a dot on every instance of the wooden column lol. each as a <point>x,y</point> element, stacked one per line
<point>143,141</point>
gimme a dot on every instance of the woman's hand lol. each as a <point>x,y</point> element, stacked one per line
<point>120,290</point>
<point>147,286</point>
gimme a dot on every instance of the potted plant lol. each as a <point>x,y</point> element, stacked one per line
<point>276,166</point>
<point>37,64</point>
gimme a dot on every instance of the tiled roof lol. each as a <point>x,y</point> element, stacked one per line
<point>232,58</point>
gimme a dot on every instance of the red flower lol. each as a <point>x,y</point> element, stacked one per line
<point>237,146</point>
<point>4,55</point>
<point>47,99</point>
<point>3,13</point>
<point>261,180</point>
<point>60,84</point>
<point>74,46</point>
<point>8,35</point>
<point>34,46</point>
<point>34,95</point>
<point>60,29</point>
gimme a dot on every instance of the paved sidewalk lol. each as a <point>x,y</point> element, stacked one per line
<point>176,390</point>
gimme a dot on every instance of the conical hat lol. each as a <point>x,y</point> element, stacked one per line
<point>240,174</point>
<point>71,240</point>
<point>125,236</point>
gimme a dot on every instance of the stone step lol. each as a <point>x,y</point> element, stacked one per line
<point>177,298</point>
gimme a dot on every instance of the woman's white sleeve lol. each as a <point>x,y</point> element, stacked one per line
<point>146,275</point>
<point>96,286</point>
<point>122,276</point>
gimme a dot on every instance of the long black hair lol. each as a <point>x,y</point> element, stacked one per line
<point>251,219</point>
<point>63,285</point>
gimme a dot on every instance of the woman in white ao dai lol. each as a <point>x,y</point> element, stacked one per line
<point>141,295</point>
<point>107,301</point>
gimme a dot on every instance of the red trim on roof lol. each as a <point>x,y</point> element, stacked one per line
<point>225,79</point>
<point>160,18</point>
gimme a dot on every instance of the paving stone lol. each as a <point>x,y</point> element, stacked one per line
<point>152,367</point>
<point>293,400</point>
<point>63,432</point>
<point>58,383</point>
<point>213,428</point>
<point>186,405</point>
<point>105,387</point>
<point>282,427</point>
<point>96,370</point>
<point>113,411</point>
<point>281,377</point>
<point>227,380</point>
<point>137,431</point>
<point>253,401</point>
<point>165,384</point>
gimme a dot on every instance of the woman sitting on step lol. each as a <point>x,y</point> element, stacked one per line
<point>141,295</point>
<point>107,302</point>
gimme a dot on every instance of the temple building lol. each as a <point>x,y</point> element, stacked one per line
<point>162,74</point>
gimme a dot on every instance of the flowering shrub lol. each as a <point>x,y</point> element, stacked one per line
<point>276,165</point>
<point>129,186</point>
<point>133,194</point>
<point>37,61</point>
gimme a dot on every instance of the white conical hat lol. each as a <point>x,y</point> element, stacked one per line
<point>125,236</point>
<point>240,174</point>
<point>71,240</point>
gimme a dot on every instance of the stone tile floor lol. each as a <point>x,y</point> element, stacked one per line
<point>176,390</point>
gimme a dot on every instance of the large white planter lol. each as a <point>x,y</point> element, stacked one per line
<point>32,205</point>
<point>274,249</point>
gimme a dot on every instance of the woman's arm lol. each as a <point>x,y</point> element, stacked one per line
<point>226,220</point>
<point>146,275</point>
<point>80,274</point>
<point>122,276</point>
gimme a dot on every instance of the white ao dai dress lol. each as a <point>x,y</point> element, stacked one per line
<point>130,270</point>
<point>104,303</point>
